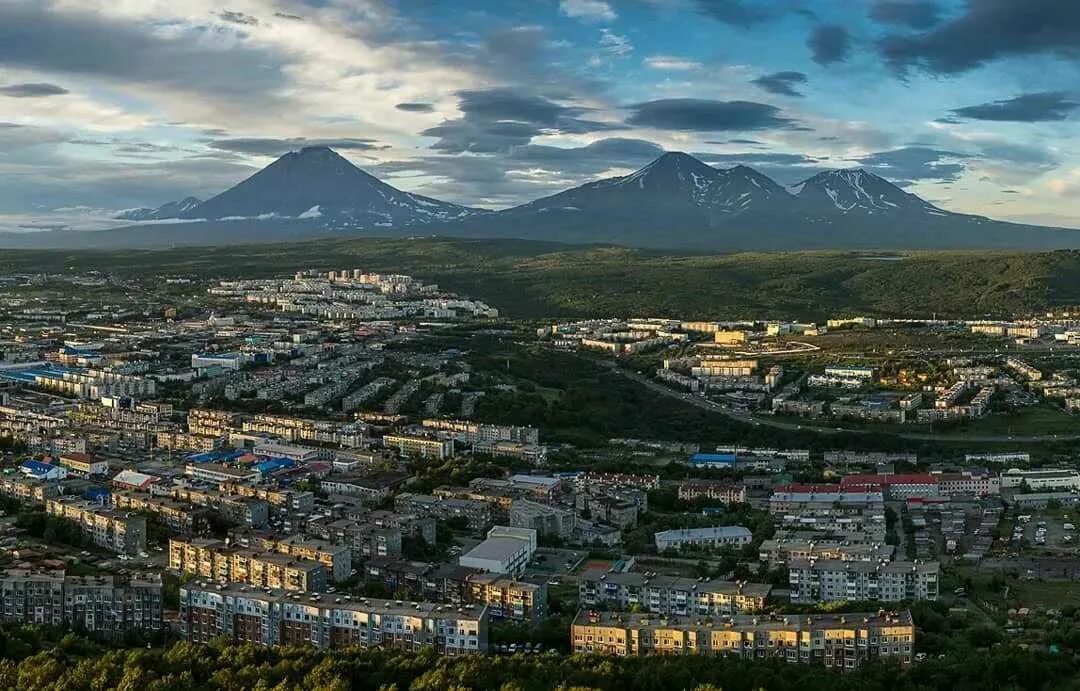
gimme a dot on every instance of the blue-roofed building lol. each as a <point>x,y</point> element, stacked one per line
<point>42,471</point>
<point>97,494</point>
<point>215,456</point>
<point>714,460</point>
<point>273,465</point>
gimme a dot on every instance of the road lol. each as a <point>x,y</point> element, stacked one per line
<point>766,421</point>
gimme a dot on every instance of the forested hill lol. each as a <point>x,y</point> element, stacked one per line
<point>541,279</point>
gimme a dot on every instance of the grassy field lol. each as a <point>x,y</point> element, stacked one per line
<point>533,279</point>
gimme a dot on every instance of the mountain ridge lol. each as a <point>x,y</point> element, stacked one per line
<point>674,202</point>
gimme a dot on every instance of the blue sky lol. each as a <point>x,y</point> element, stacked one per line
<point>105,105</point>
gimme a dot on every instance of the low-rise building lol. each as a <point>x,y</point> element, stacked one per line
<point>721,536</point>
<point>506,550</point>
<point>117,531</point>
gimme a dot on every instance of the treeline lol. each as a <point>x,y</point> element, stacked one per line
<point>32,658</point>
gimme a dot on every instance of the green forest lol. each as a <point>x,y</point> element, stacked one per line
<point>35,658</point>
<point>534,279</point>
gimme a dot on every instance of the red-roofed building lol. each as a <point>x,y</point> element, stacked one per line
<point>895,486</point>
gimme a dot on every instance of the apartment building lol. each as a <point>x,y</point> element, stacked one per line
<point>424,447</point>
<point>472,432</point>
<point>336,559</point>
<point>280,618</point>
<point>375,487</point>
<point>179,517</point>
<point>211,423</point>
<point>721,536</point>
<point>477,514</point>
<point>117,531</point>
<point>1040,480</point>
<point>507,598</point>
<point>26,489</point>
<point>778,552</point>
<point>544,519</point>
<point>247,511</point>
<point>218,473</point>
<point>831,580</point>
<point>106,605</point>
<point>212,559</point>
<point>286,501</point>
<point>841,641</point>
<point>670,595</point>
<point>715,490</point>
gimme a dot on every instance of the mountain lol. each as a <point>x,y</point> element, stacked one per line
<point>674,202</point>
<point>165,211</point>
<point>319,185</point>
<point>857,192</point>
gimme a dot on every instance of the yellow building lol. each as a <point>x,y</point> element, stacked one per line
<point>845,641</point>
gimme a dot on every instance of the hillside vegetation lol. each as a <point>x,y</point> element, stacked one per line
<point>528,279</point>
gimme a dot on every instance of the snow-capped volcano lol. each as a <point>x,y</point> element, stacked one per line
<point>316,182</point>
<point>857,191</point>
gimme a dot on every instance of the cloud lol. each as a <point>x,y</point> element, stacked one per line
<point>756,157</point>
<point>237,18</point>
<point>781,83</point>
<point>829,43</point>
<point>1066,185</point>
<point>989,30</point>
<point>587,10</point>
<point>914,14</point>
<point>181,59</point>
<point>32,90</point>
<point>695,114</point>
<point>494,120</point>
<point>262,146</point>
<point>1035,107</point>
<point>416,107</point>
<point>742,13</point>
<point>911,164</point>
<point>615,45</point>
<point>671,62</point>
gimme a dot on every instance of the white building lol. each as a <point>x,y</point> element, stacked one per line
<point>735,535</point>
<point>506,550</point>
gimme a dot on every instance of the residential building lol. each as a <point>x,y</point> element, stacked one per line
<point>721,536</point>
<point>831,580</point>
<point>424,447</point>
<point>717,490</point>
<point>276,617</point>
<point>507,598</point>
<point>113,530</point>
<point>669,595</point>
<point>842,641</point>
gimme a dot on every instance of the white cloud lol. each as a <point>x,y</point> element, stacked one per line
<point>671,62</point>
<point>587,10</point>
<point>615,45</point>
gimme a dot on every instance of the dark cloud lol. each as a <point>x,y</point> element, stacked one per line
<point>33,37</point>
<point>603,154</point>
<point>988,30</point>
<point>737,12</point>
<point>916,14</point>
<point>782,83</point>
<point>32,90</point>
<point>521,174</point>
<point>290,17</point>
<point>829,43</point>
<point>494,120</point>
<point>1036,107</point>
<point>416,107</point>
<point>260,146</point>
<point>237,18</point>
<point>911,164</point>
<point>696,114</point>
<point>751,158</point>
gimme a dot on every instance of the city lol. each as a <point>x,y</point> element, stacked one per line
<point>547,345</point>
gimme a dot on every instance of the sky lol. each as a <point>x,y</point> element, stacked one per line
<point>113,104</point>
